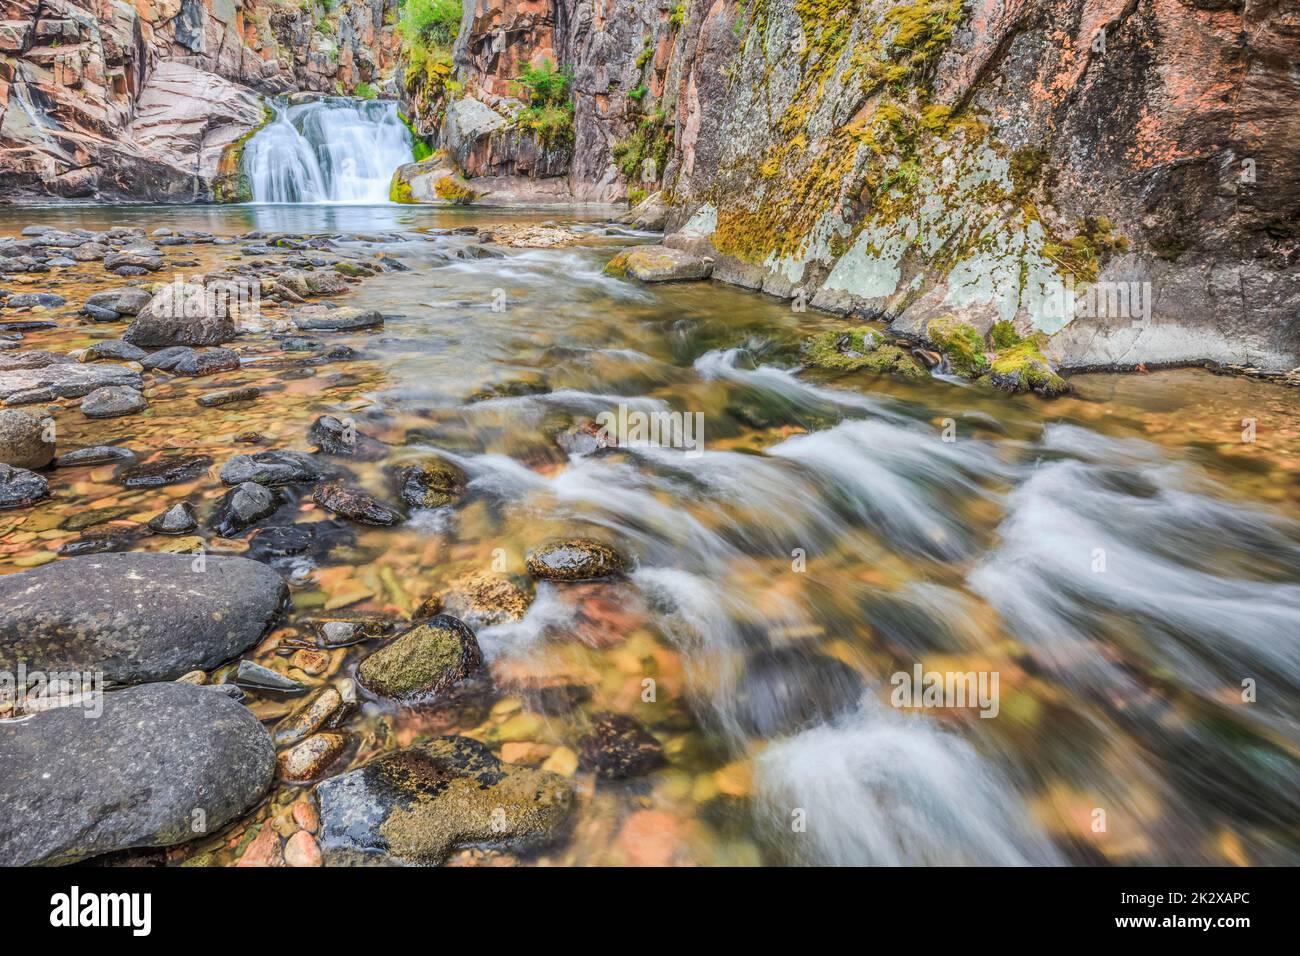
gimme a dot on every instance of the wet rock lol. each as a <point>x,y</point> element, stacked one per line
<point>308,717</point>
<point>618,747</point>
<point>128,300</point>
<point>80,520</point>
<point>575,559</point>
<point>273,468</point>
<point>162,323</point>
<point>166,471</point>
<point>650,214</point>
<point>335,437</point>
<point>320,319</point>
<point>431,483</point>
<point>138,616</point>
<point>301,850</point>
<point>660,264</point>
<point>35,300</point>
<point>178,519</point>
<point>343,631</point>
<point>94,455</point>
<point>183,360</point>
<point>311,540</point>
<point>75,788</point>
<point>99,542</point>
<point>136,263</point>
<point>252,674</point>
<point>22,440</point>
<point>20,487</point>
<point>64,378</point>
<point>242,506</point>
<point>426,659</point>
<point>115,350</point>
<point>310,758</point>
<point>585,439</point>
<point>355,505</point>
<point>229,396</point>
<point>484,599</point>
<point>785,690</point>
<point>417,805</point>
<point>113,401</point>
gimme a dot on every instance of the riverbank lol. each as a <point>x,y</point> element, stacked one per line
<point>699,683</point>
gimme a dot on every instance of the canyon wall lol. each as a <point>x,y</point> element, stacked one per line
<point>1117,174</point>
<point>105,99</point>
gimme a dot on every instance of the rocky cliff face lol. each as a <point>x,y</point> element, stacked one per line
<point>105,99</point>
<point>1117,174</point>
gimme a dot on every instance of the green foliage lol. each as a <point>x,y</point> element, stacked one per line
<point>545,85</point>
<point>365,91</point>
<point>651,139</point>
<point>637,94</point>
<point>427,29</point>
<point>548,113</point>
<point>431,23</point>
<point>964,346</point>
<point>420,147</point>
<point>678,16</point>
<point>1003,334</point>
<point>1085,254</point>
<point>643,57</point>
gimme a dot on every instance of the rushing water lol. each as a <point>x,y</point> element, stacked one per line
<point>327,150</point>
<point>1120,558</point>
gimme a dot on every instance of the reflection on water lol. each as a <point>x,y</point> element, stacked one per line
<point>1120,558</point>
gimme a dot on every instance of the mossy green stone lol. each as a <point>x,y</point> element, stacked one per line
<point>962,343</point>
<point>428,658</point>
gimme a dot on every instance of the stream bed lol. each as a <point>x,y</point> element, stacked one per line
<point>1121,558</point>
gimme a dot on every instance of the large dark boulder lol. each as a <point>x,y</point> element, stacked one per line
<point>163,764</point>
<point>136,617</point>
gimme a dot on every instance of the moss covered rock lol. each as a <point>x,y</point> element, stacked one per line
<point>859,349</point>
<point>575,559</point>
<point>961,342</point>
<point>430,483</point>
<point>1024,368</point>
<point>661,264</point>
<point>429,658</point>
<point>417,805</point>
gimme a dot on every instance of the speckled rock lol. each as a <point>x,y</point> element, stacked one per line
<point>137,617</point>
<point>429,658</point>
<point>20,487</point>
<point>113,401</point>
<point>157,760</point>
<point>273,468</point>
<point>355,505</point>
<point>618,746</point>
<point>430,483</point>
<point>22,440</point>
<point>416,805</point>
<point>575,559</point>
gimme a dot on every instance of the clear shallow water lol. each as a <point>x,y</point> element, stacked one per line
<point>1120,689</point>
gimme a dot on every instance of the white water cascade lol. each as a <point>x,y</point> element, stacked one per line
<point>327,150</point>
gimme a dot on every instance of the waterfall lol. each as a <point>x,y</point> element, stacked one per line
<point>327,150</point>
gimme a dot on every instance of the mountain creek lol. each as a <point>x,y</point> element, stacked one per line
<point>491,636</point>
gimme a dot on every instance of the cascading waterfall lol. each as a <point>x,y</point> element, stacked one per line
<point>327,150</point>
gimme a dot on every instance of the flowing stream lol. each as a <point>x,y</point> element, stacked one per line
<point>1120,557</point>
<point>327,150</point>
